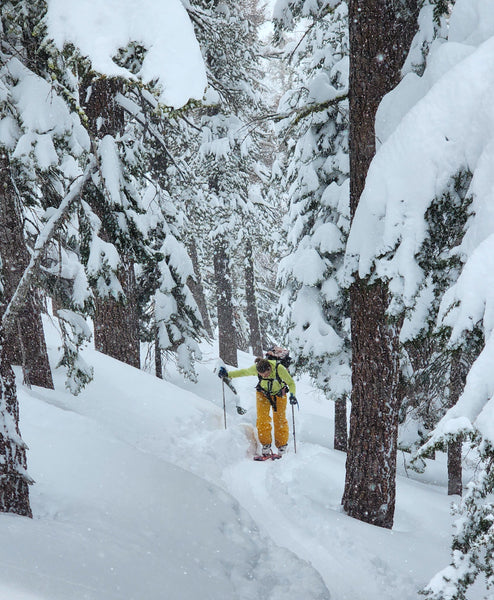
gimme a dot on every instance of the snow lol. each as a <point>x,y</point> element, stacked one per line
<point>100,29</point>
<point>431,128</point>
<point>139,488</point>
<point>44,117</point>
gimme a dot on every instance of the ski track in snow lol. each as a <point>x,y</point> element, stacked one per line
<point>249,486</point>
<point>296,501</point>
<point>285,515</point>
<point>264,491</point>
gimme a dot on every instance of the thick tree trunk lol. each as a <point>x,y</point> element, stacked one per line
<point>197,289</point>
<point>116,322</point>
<point>455,471</point>
<point>340,425</point>
<point>380,35</point>
<point>371,460</point>
<point>25,345</point>
<point>226,325</point>
<point>255,340</point>
<point>14,481</point>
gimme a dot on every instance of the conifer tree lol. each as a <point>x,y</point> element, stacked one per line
<point>314,121</point>
<point>47,160</point>
<point>112,200</point>
<point>37,125</point>
<point>380,38</point>
<point>25,345</point>
<point>119,242</point>
<point>168,276</point>
<point>227,150</point>
<point>397,211</point>
<point>438,371</point>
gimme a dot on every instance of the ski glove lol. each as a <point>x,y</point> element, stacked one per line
<point>222,373</point>
<point>293,400</point>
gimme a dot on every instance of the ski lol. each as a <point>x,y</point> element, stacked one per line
<point>261,457</point>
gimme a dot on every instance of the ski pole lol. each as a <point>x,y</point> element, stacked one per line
<point>224,403</point>
<point>294,436</point>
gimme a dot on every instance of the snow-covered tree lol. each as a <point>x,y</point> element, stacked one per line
<point>47,159</point>
<point>40,143</point>
<point>424,149</point>
<point>437,371</point>
<point>314,123</point>
<point>119,243</point>
<point>380,38</point>
<point>227,152</point>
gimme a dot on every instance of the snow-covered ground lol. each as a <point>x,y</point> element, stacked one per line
<point>142,494</point>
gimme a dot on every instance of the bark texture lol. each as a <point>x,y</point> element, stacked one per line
<point>455,470</point>
<point>372,446</point>
<point>14,481</point>
<point>340,425</point>
<point>255,341</point>
<point>380,35</point>
<point>116,321</point>
<point>197,289</point>
<point>116,324</point>
<point>25,344</point>
<point>226,324</point>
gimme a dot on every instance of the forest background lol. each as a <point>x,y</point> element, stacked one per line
<point>168,176</point>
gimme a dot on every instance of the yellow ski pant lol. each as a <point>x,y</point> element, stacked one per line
<point>281,432</point>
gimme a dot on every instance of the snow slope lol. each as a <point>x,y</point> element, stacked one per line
<point>141,493</point>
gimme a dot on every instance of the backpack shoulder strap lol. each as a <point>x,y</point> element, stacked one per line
<point>277,374</point>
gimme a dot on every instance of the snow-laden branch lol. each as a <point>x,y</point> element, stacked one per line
<point>99,30</point>
<point>44,238</point>
<point>135,111</point>
<point>298,113</point>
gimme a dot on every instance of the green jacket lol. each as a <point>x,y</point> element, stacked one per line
<point>283,374</point>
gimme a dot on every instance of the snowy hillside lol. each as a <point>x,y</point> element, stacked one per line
<point>141,493</point>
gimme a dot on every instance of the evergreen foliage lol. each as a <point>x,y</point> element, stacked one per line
<point>446,213</point>
<point>314,124</point>
<point>426,350</point>
<point>225,209</point>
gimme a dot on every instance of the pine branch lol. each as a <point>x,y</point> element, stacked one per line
<point>300,113</point>
<point>44,238</point>
<point>316,21</point>
<point>134,110</point>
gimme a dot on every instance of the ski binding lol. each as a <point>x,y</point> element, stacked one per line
<point>261,457</point>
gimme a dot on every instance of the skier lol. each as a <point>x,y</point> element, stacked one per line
<point>274,383</point>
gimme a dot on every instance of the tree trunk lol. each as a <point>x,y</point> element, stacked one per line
<point>371,460</point>
<point>226,325</point>
<point>380,35</point>
<point>116,322</point>
<point>340,425</point>
<point>197,289</point>
<point>457,374</point>
<point>255,340</point>
<point>14,480</point>
<point>158,361</point>
<point>455,485</point>
<point>25,345</point>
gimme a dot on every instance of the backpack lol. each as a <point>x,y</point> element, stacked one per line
<point>280,355</point>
